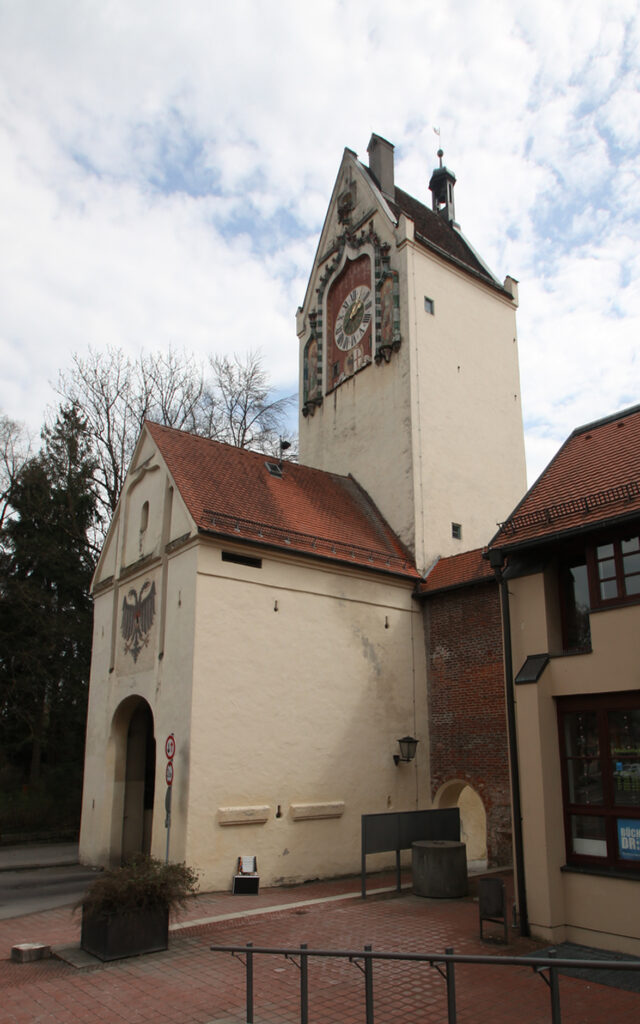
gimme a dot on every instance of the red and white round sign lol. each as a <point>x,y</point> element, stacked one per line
<point>169,773</point>
<point>170,747</point>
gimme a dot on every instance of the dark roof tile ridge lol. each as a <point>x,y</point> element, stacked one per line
<point>611,418</point>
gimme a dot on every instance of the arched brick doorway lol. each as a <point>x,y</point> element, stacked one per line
<point>473,817</point>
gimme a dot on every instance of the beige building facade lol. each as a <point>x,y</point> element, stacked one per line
<point>571,553</point>
<point>284,677</point>
<point>259,642</point>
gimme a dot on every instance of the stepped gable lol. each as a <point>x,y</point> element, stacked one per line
<point>231,492</point>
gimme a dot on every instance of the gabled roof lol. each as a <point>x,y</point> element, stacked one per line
<point>594,479</point>
<point>462,570</point>
<point>433,231</point>
<point>230,492</point>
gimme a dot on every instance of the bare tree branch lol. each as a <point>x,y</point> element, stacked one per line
<point>115,395</point>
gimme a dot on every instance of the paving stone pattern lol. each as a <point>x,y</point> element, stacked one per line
<point>189,983</point>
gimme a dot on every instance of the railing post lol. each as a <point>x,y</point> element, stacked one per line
<point>554,989</point>
<point>451,988</point>
<point>368,985</point>
<point>249,971</point>
<point>304,985</point>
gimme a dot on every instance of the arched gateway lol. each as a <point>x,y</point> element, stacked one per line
<point>134,751</point>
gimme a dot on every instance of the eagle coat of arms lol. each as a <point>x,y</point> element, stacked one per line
<point>138,611</point>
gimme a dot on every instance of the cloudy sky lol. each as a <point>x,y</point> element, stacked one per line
<point>165,168</point>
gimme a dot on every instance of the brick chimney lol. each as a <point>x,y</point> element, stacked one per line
<point>381,164</point>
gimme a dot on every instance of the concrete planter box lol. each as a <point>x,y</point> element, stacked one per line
<point>122,935</point>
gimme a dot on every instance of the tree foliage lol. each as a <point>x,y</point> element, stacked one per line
<point>55,507</point>
<point>45,608</point>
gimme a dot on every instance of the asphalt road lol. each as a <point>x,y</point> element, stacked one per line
<point>30,890</point>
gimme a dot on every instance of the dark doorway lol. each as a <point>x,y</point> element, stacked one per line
<point>137,820</point>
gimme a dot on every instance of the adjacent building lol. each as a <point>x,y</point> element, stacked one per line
<point>570,557</point>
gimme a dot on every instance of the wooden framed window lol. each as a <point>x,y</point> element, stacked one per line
<point>600,760</point>
<point>616,569</point>
<point>600,574</point>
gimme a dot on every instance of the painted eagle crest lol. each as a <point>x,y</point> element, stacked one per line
<point>138,611</point>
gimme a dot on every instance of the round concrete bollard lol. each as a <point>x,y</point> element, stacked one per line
<point>439,869</point>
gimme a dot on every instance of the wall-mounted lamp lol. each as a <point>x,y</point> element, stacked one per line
<point>407,750</point>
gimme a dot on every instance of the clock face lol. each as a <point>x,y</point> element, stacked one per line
<point>350,316</point>
<point>353,318</point>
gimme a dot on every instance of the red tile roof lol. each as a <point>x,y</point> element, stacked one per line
<point>230,492</point>
<point>594,478</point>
<point>457,571</point>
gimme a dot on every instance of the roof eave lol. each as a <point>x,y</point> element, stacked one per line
<point>301,552</point>
<point>559,535</point>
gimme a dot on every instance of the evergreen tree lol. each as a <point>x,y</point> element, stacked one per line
<point>46,563</point>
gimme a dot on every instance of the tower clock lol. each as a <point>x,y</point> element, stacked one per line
<point>350,318</point>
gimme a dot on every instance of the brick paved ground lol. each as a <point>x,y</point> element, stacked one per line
<point>189,984</point>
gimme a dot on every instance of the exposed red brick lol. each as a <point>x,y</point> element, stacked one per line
<point>467,713</point>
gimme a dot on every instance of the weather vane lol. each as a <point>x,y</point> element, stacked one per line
<point>440,150</point>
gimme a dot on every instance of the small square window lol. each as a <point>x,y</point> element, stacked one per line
<point>456,531</point>
<point>429,306</point>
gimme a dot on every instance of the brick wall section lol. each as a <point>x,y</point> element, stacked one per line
<point>467,713</point>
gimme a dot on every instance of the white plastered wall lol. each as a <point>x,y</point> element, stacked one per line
<point>161,673</point>
<point>469,465</point>
<point>296,715</point>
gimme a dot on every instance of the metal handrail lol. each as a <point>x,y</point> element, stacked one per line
<point>448,959</point>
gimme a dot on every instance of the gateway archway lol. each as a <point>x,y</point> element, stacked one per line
<point>134,784</point>
<point>473,817</point>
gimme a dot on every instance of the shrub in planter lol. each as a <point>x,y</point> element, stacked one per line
<point>126,911</point>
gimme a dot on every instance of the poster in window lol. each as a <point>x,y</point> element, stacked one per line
<point>629,838</point>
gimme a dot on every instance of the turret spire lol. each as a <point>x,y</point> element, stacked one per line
<point>442,185</point>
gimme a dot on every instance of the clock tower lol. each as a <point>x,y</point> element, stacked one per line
<point>409,363</point>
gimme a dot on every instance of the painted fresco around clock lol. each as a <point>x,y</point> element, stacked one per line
<point>350,317</point>
<point>356,318</point>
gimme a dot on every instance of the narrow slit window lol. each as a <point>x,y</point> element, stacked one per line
<point>429,306</point>
<point>456,531</point>
<point>144,517</point>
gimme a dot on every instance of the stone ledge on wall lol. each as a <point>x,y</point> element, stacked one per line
<point>252,815</point>
<point>304,812</point>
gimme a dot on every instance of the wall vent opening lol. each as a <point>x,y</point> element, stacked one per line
<point>233,556</point>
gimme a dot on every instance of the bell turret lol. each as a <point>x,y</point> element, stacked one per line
<point>442,185</point>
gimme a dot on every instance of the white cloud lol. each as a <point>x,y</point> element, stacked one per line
<point>167,170</point>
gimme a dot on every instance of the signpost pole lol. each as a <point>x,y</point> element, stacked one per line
<point>170,750</point>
